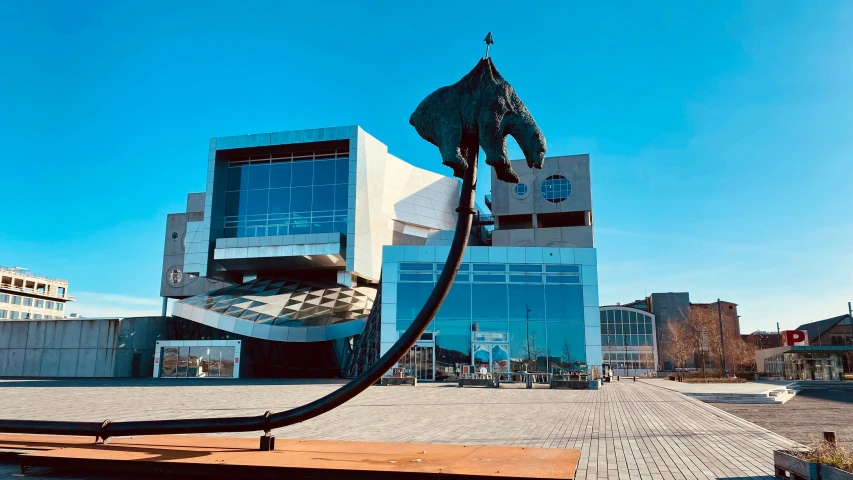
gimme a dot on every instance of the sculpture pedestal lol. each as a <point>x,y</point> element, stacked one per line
<point>226,456</point>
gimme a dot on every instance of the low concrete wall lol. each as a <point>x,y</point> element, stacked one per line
<point>114,347</point>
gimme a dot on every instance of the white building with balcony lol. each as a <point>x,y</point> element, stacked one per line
<point>25,296</point>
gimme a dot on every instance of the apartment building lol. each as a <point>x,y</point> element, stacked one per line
<point>25,296</point>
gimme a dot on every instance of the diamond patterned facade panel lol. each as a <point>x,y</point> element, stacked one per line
<point>292,303</point>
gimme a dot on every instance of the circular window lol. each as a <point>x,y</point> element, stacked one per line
<point>174,235</point>
<point>520,189</point>
<point>175,276</point>
<point>556,188</point>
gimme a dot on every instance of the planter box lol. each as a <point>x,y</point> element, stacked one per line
<point>832,473</point>
<point>783,462</point>
<point>477,382</point>
<point>399,381</point>
<point>572,384</point>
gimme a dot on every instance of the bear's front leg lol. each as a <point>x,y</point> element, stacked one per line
<point>450,139</point>
<point>493,140</point>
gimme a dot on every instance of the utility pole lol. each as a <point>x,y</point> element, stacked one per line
<point>722,341</point>
<point>526,306</point>
<point>609,354</point>
<point>779,334</point>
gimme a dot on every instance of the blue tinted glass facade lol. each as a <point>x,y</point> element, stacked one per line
<point>538,308</point>
<point>286,196</point>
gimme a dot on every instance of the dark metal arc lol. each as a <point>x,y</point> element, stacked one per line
<point>266,422</point>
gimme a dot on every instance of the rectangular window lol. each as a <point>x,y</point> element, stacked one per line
<point>416,277</point>
<point>489,267</point>
<point>525,268</point>
<point>15,315</point>
<point>60,306</point>
<point>525,278</point>
<point>514,222</point>
<point>37,316</point>
<point>4,313</point>
<point>48,305</point>
<point>421,267</point>
<point>16,300</point>
<point>28,302</point>
<point>39,303</point>
<point>490,278</point>
<point>4,298</point>
<point>556,279</point>
<point>562,268</point>
<point>562,219</point>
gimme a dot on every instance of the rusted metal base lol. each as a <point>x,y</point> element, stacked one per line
<point>239,457</point>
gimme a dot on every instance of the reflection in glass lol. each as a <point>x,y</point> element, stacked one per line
<point>489,301</point>
<point>168,362</point>
<point>196,362</point>
<point>527,346</point>
<point>526,297</point>
<point>226,365</point>
<point>565,346</point>
<point>213,361</point>
<point>259,199</point>
<point>457,305</point>
<point>183,361</point>
<point>564,303</point>
<point>411,298</point>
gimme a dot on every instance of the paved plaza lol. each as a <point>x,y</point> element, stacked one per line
<point>627,430</point>
<point>806,416</point>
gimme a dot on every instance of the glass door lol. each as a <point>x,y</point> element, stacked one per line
<point>494,357</point>
<point>420,362</point>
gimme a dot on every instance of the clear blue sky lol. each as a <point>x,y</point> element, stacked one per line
<point>720,133</point>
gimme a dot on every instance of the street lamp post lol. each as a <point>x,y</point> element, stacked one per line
<point>722,341</point>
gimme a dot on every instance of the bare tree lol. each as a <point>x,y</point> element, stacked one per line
<point>742,353</point>
<point>681,344</point>
<point>566,350</point>
<point>531,351</point>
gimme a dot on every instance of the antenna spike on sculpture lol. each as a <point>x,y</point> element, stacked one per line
<point>488,41</point>
<point>482,108</point>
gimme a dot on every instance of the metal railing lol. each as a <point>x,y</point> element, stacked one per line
<point>32,291</point>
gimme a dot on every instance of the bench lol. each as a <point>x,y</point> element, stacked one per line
<point>571,384</point>
<point>478,382</point>
<point>399,381</point>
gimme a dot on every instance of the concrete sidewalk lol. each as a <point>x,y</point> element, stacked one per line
<point>626,430</point>
<point>762,392</point>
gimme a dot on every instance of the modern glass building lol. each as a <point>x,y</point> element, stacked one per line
<point>302,236</point>
<point>628,340</point>
<point>508,310</point>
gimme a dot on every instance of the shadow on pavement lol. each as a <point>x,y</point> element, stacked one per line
<point>165,382</point>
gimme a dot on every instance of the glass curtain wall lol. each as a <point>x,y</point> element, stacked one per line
<point>204,361</point>
<point>537,308</point>
<point>627,340</point>
<point>287,194</point>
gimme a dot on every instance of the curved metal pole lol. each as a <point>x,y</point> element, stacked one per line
<point>267,422</point>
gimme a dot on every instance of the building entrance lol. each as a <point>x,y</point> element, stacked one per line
<point>490,351</point>
<point>420,361</point>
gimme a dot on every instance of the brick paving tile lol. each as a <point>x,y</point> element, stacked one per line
<point>624,431</point>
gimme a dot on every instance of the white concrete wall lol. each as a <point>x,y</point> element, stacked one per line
<point>77,348</point>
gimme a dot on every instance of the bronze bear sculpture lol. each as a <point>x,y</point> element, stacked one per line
<point>481,104</point>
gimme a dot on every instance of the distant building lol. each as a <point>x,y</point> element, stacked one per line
<point>24,296</point>
<point>835,331</point>
<point>628,340</point>
<point>762,340</point>
<point>731,330</point>
<point>672,307</point>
